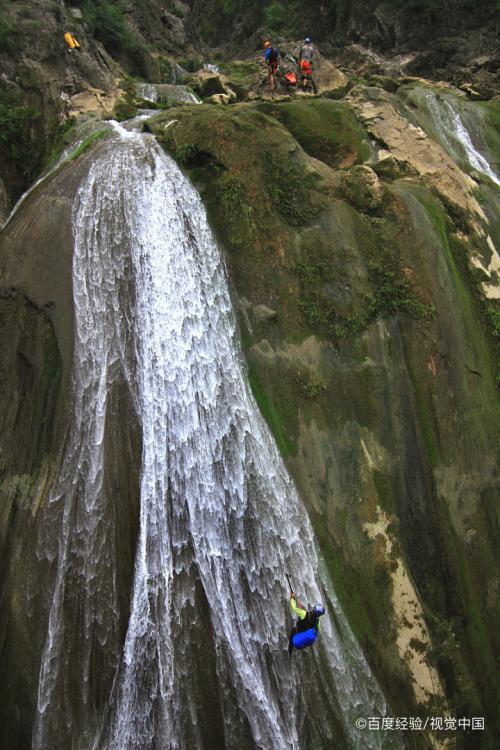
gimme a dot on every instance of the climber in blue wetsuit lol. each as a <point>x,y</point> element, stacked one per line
<point>306,629</point>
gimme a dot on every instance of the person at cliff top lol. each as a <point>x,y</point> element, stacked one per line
<point>306,56</point>
<point>307,619</point>
<point>272,55</point>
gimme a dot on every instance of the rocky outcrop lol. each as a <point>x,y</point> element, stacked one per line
<point>374,372</point>
<point>330,81</point>
<point>208,85</point>
<point>413,148</point>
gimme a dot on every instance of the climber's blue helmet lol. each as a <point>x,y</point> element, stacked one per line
<point>318,610</point>
<point>307,40</point>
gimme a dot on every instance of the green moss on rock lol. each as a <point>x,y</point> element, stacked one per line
<point>325,129</point>
<point>270,413</point>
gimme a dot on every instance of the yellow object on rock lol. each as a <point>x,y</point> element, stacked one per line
<point>71,41</point>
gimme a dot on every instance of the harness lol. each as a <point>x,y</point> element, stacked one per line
<point>309,621</point>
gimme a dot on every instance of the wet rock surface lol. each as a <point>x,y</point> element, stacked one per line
<point>366,245</point>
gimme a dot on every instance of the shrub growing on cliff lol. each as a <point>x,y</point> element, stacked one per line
<point>107,23</point>
<point>7,35</point>
<point>17,138</point>
<point>289,189</point>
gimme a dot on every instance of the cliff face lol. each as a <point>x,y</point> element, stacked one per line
<point>373,363</point>
<point>361,238</point>
<point>43,85</point>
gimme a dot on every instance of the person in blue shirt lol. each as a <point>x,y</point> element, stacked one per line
<point>306,619</point>
<point>272,55</point>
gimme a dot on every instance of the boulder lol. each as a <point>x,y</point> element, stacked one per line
<point>385,165</point>
<point>212,86</point>
<point>386,83</point>
<point>175,26</point>
<point>472,93</point>
<point>206,83</point>
<point>263,314</point>
<point>218,99</point>
<point>362,188</point>
<point>331,82</point>
<point>93,102</point>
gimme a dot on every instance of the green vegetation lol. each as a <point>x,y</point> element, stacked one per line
<point>277,17</point>
<point>87,144</point>
<point>390,290</point>
<point>270,413</point>
<point>240,72</point>
<point>106,22</point>
<point>312,386</point>
<point>325,129</point>
<point>124,110</point>
<point>237,211</point>
<point>359,603</point>
<point>17,134</point>
<point>289,188</point>
<point>467,279</point>
<point>186,153</point>
<point>425,418</point>
<point>242,76</point>
<point>165,68</point>
<point>385,494</point>
<point>60,141</point>
<point>492,312</point>
<point>191,64</point>
<point>7,34</point>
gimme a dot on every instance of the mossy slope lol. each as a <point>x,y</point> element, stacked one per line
<point>367,372</point>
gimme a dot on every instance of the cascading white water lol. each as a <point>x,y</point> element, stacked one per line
<point>162,92</point>
<point>454,135</point>
<point>211,67</point>
<point>476,160</point>
<point>220,523</point>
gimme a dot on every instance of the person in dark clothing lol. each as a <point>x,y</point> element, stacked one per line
<point>306,619</point>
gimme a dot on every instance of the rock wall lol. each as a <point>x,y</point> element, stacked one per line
<point>373,362</point>
<point>364,263</point>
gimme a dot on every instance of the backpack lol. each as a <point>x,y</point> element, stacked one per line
<point>273,55</point>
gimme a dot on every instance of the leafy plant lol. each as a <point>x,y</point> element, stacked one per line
<point>289,189</point>
<point>7,35</point>
<point>87,144</point>
<point>232,193</point>
<point>493,317</point>
<point>186,153</point>
<point>106,22</point>
<point>277,16</point>
<point>312,386</point>
<point>124,110</point>
<point>17,135</point>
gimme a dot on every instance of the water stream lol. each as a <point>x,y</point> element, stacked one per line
<point>451,131</point>
<point>202,658</point>
<point>163,92</point>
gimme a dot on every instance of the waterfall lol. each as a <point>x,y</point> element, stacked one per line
<point>220,522</point>
<point>453,134</point>
<point>162,92</point>
<point>211,67</point>
<point>475,159</point>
